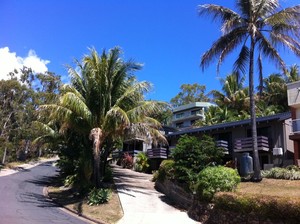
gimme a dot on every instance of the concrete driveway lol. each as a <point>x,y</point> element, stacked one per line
<point>141,203</point>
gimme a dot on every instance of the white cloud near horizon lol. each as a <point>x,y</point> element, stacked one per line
<point>9,61</point>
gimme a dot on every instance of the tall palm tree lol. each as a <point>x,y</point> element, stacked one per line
<point>102,101</point>
<point>259,26</point>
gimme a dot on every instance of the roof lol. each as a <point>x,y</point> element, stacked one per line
<point>279,117</point>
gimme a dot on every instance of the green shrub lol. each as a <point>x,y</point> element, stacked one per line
<point>98,196</point>
<point>191,155</point>
<point>289,173</point>
<point>214,179</point>
<point>165,171</point>
<point>141,164</point>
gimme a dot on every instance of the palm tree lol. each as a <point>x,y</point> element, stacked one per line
<point>261,26</point>
<point>275,91</point>
<point>233,96</point>
<point>293,74</point>
<point>102,101</point>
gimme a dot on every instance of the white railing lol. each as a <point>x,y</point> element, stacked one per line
<point>223,144</point>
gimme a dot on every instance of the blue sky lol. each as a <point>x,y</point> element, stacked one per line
<point>168,37</point>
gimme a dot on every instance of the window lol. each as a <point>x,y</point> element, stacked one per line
<point>195,112</point>
<point>179,115</point>
<point>179,125</point>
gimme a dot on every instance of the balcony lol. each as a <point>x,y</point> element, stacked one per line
<point>295,126</point>
<point>189,116</point>
<point>120,153</point>
<point>245,144</point>
<point>223,144</point>
<point>156,153</point>
<point>293,92</point>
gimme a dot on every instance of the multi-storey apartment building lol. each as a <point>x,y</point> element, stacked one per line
<point>185,116</point>
<point>293,91</point>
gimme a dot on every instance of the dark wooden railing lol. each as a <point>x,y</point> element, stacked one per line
<point>120,153</point>
<point>245,144</point>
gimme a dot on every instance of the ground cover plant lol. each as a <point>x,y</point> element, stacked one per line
<point>98,196</point>
<point>288,173</point>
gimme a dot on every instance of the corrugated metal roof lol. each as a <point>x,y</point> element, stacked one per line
<point>280,117</point>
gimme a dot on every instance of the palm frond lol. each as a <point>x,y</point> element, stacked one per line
<point>266,48</point>
<point>133,94</point>
<point>287,41</point>
<point>145,108</point>
<point>151,122</point>
<point>44,127</point>
<point>56,111</point>
<point>242,61</point>
<point>68,88</point>
<point>115,120</point>
<point>288,15</point>
<point>76,105</point>
<point>220,47</point>
<point>218,12</point>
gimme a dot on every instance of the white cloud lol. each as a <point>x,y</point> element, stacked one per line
<point>10,61</point>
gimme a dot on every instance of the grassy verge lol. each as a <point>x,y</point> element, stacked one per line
<point>16,164</point>
<point>270,201</point>
<point>109,212</point>
<point>271,187</point>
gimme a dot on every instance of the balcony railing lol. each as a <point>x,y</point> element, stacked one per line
<point>295,126</point>
<point>223,144</point>
<point>189,116</point>
<point>157,153</point>
<point>245,144</point>
<point>120,153</point>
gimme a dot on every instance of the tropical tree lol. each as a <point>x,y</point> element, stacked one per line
<point>102,102</point>
<point>275,92</point>
<point>234,95</point>
<point>259,25</point>
<point>293,74</point>
<point>190,93</point>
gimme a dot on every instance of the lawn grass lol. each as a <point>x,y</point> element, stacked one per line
<point>109,212</point>
<point>272,187</point>
<point>268,201</point>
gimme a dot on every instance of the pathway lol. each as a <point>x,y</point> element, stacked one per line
<point>141,203</point>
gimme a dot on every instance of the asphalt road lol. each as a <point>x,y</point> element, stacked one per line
<point>22,200</point>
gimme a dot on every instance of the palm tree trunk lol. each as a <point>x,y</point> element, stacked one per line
<point>105,154</point>
<point>4,155</point>
<point>257,175</point>
<point>95,136</point>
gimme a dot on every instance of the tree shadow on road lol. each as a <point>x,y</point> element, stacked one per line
<point>39,200</point>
